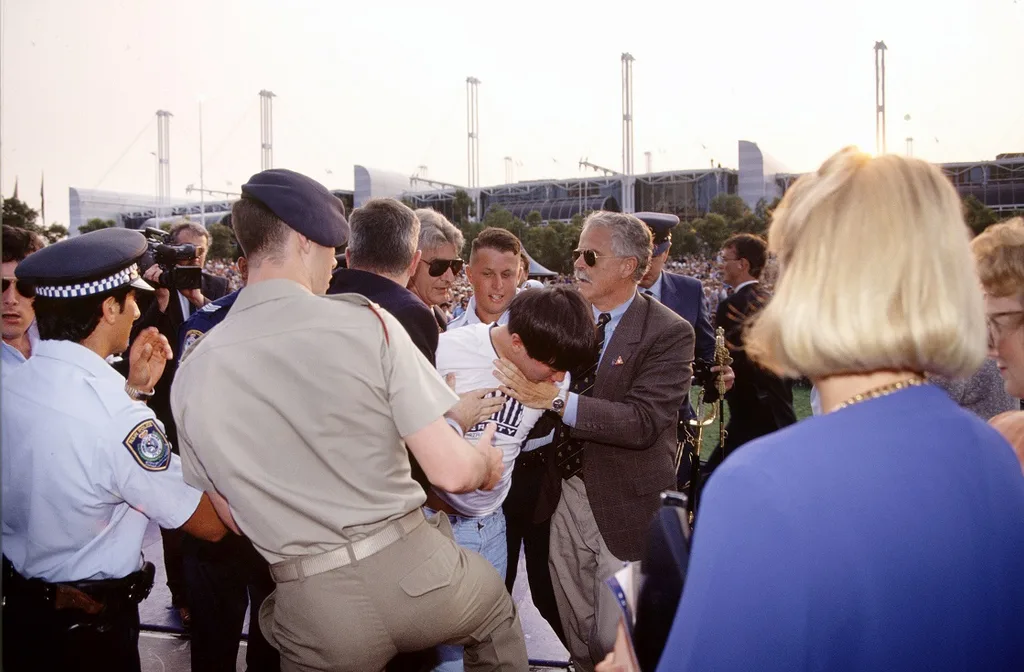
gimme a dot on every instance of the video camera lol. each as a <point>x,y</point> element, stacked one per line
<point>170,258</point>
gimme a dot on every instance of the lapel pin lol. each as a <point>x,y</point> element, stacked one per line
<point>618,361</point>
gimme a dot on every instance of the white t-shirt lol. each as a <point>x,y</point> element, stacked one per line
<point>469,354</point>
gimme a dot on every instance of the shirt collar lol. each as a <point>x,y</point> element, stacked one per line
<point>33,341</point>
<point>743,284</point>
<point>656,288</point>
<point>77,354</point>
<point>268,290</point>
<point>617,312</point>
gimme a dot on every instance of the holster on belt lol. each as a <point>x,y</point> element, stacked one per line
<point>90,597</point>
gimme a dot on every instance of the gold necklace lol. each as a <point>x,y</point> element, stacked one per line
<point>882,391</point>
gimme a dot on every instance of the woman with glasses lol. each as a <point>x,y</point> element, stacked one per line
<point>887,533</point>
<point>999,252</point>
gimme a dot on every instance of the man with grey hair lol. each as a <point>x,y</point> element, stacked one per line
<point>382,256</point>
<point>440,246</point>
<point>614,448</point>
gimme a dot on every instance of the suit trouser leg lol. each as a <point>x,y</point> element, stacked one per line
<point>534,538</point>
<point>580,562</point>
<point>420,591</point>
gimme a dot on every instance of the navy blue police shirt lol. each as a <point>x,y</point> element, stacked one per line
<point>204,319</point>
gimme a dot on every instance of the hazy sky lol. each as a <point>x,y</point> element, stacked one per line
<point>383,85</point>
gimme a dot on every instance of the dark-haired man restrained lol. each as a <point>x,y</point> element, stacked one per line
<point>549,332</point>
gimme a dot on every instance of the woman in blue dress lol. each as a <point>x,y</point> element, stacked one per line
<point>888,532</point>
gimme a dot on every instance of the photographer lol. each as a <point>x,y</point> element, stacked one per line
<point>167,311</point>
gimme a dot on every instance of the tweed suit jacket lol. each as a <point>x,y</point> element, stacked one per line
<point>628,423</point>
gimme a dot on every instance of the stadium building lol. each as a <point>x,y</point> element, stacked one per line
<point>999,184</point>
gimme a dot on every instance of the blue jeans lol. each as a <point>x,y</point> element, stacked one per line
<point>486,536</point>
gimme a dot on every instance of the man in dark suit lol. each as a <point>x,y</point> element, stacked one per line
<point>760,402</point>
<point>381,257</point>
<point>615,448</point>
<point>167,311</point>
<point>685,296</point>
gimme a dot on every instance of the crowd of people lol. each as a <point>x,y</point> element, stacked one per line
<point>360,455</point>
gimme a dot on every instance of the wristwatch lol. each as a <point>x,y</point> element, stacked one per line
<point>558,403</point>
<point>136,394</point>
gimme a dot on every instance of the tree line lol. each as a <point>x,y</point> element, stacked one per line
<point>549,243</point>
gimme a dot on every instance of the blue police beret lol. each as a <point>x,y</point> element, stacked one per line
<point>89,264</point>
<point>661,226</point>
<point>302,203</point>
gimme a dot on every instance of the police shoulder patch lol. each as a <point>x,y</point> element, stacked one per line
<point>191,336</point>
<point>148,445</point>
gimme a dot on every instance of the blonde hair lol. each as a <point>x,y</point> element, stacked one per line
<point>999,254</point>
<point>875,274</point>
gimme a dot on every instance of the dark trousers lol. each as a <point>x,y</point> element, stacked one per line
<point>222,579</point>
<point>38,637</point>
<point>172,540</point>
<point>521,530</point>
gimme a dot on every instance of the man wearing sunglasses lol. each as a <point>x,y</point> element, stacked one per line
<point>614,451</point>
<point>20,333</point>
<point>167,311</point>
<point>440,264</point>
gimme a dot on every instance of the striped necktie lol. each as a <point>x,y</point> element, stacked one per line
<point>569,451</point>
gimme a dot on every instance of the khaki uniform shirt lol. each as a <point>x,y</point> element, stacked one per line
<point>294,409</point>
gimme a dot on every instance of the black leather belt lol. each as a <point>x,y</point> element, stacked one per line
<point>89,596</point>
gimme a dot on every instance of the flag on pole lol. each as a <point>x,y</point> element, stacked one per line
<point>42,198</point>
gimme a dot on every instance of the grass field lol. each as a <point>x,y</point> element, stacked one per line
<point>801,404</point>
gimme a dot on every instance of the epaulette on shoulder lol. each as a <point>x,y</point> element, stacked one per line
<point>360,300</point>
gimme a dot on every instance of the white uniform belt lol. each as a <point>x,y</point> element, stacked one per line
<point>311,565</point>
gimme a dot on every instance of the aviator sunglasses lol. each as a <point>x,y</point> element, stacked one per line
<point>590,257</point>
<point>437,267</point>
<point>26,289</point>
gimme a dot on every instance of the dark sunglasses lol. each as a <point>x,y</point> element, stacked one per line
<point>25,288</point>
<point>591,257</point>
<point>437,267</point>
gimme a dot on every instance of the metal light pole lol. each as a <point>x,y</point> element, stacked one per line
<point>202,185</point>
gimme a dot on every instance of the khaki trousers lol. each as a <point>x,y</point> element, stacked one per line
<point>580,562</point>
<point>420,591</point>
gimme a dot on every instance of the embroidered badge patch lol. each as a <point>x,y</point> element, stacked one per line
<point>191,336</point>
<point>149,446</point>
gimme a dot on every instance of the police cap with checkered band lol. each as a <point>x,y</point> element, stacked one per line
<point>86,265</point>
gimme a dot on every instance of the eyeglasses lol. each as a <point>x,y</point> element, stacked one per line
<point>439,267</point>
<point>590,257</point>
<point>997,330</point>
<point>25,288</point>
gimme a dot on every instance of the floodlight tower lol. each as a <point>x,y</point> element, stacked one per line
<point>163,155</point>
<point>266,129</point>
<point>880,50</point>
<point>627,132</point>
<point>473,131</point>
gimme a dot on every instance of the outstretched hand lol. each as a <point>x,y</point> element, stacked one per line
<point>147,359</point>
<point>522,389</point>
